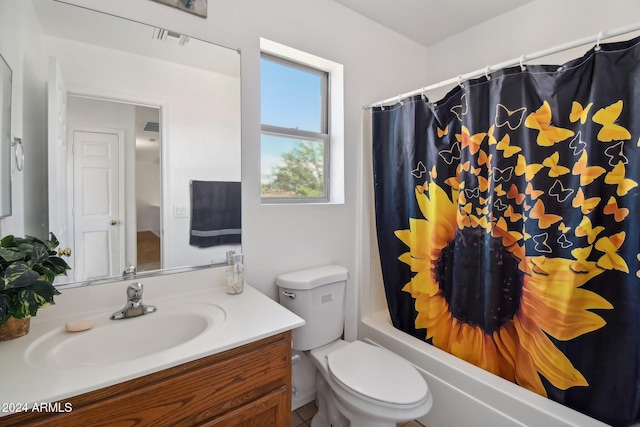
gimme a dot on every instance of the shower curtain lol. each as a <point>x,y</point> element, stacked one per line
<point>508,228</point>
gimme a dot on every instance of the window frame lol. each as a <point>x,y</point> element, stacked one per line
<point>294,133</point>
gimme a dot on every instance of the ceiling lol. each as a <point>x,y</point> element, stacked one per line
<point>430,21</point>
<point>74,23</point>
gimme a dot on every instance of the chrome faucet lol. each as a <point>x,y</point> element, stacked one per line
<point>129,271</point>
<point>134,306</point>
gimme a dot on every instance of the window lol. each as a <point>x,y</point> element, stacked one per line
<point>295,142</point>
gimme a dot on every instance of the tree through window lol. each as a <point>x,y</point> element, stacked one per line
<point>295,131</point>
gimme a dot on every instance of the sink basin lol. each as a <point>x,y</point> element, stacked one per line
<point>113,341</point>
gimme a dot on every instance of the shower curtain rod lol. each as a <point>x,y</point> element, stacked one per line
<point>520,60</point>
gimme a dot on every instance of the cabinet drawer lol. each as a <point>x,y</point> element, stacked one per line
<point>271,410</point>
<point>189,394</point>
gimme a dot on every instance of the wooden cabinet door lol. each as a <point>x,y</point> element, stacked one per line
<point>272,410</point>
<point>249,386</point>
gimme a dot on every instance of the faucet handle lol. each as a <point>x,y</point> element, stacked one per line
<point>129,271</point>
<point>134,290</point>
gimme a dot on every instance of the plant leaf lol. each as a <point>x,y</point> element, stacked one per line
<point>29,300</point>
<point>28,266</point>
<point>58,265</point>
<point>18,275</point>
<point>26,248</point>
<point>52,243</point>
<point>44,292</point>
<point>46,273</point>
<point>10,255</point>
<point>39,254</point>
<point>8,242</point>
<point>29,239</point>
<point>26,304</point>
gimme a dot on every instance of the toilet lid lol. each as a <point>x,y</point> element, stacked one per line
<point>377,373</point>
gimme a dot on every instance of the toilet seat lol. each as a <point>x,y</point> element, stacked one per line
<point>376,375</point>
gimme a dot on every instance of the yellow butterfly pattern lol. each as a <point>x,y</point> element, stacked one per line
<point>563,228</point>
<point>610,129</point>
<point>531,192</point>
<point>548,134</point>
<point>617,176</point>
<point>584,204</point>
<point>581,265</point>
<point>611,260</point>
<point>545,220</point>
<point>555,169</point>
<point>611,208</point>
<point>485,168</point>
<point>578,112</point>
<point>507,149</point>
<point>586,229</point>
<point>529,171</point>
<point>587,174</point>
<point>471,142</point>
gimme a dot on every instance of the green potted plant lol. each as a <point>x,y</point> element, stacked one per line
<point>28,267</point>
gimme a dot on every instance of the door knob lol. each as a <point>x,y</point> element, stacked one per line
<point>66,252</point>
<point>113,222</point>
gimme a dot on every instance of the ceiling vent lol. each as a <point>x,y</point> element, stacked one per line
<point>169,36</point>
<point>152,127</point>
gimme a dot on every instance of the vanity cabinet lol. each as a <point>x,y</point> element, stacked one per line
<point>248,386</point>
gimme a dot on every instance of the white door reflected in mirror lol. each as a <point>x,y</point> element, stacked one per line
<point>97,197</point>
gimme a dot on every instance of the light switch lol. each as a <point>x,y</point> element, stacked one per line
<point>180,212</point>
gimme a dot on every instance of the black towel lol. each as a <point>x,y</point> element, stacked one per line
<point>215,213</point>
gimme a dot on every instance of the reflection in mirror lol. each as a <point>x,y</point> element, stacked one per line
<point>5,138</point>
<point>139,114</point>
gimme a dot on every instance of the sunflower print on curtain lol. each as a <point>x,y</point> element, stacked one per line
<point>508,231</point>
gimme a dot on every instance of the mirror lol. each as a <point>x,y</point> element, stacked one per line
<point>5,138</point>
<point>143,117</point>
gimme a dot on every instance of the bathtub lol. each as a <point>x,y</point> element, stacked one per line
<point>463,394</point>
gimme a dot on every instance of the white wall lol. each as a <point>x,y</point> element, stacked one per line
<point>21,47</point>
<point>281,238</point>
<point>148,196</point>
<point>536,26</point>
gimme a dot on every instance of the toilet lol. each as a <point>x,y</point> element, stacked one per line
<point>358,384</point>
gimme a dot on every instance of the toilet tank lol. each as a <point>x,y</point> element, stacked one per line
<point>316,295</point>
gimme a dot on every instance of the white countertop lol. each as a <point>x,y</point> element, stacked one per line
<point>250,316</point>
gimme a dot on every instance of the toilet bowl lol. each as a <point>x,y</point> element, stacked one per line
<point>358,384</point>
<point>370,386</point>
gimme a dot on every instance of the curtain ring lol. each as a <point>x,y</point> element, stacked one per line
<point>597,48</point>
<point>460,81</point>
<point>486,73</point>
<point>522,67</point>
<point>400,100</point>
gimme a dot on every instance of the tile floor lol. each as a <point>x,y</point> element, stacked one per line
<point>301,417</point>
